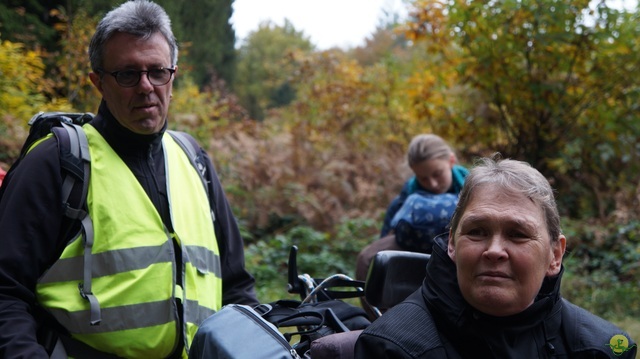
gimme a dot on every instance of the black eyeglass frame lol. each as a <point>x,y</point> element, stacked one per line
<point>139,73</point>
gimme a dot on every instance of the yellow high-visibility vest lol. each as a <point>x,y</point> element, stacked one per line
<point>133,260</point>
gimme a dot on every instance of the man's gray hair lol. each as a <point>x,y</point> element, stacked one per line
<point>141,18</point>
<point>513,177</point>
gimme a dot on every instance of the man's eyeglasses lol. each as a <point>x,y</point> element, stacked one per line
<point>130,78</point>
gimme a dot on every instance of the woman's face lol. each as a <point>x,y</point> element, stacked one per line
<point>502,251</point>
<point>434,175</point>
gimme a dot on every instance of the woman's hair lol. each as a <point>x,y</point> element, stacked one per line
<point>425,147</point>
<point>140,18</point>
<point>513,177</point>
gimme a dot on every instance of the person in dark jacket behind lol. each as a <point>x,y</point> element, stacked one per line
<point>166,250</point>
<point>492,288</point>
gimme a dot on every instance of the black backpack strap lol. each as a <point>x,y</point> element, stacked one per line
<point>75,161</point>
<point>76,167</point>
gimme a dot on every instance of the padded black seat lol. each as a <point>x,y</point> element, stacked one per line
<point>393,275</point>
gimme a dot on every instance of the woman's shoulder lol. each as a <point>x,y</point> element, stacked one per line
<point>407,329</point>
<point>587,332</point>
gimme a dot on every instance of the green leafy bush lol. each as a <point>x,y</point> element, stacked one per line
<point>319,255</point>
<point>603,269</point>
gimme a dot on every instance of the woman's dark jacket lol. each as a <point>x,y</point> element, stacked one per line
<point>31,220</point>
<point>436,322</point>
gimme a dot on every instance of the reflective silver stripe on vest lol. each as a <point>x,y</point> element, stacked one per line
<point>109,263</point>
<point>195,313</point>
<point>118,318</point>
<point>203,259</point>
<point>129,259</point>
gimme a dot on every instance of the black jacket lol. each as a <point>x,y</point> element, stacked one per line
<point>31,221</point>
<point>436,322</point>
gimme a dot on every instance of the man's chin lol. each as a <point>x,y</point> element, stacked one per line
<point>147,126</point>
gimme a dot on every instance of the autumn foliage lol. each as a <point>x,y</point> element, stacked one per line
<point>550,82</point>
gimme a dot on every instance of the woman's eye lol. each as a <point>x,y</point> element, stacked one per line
<point>518,235</point>
<point>476,232</point>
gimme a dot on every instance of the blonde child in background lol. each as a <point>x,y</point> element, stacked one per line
<point>436,171</point>
<point>438,176</point>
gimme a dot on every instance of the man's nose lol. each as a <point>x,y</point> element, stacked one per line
<point>144,85</point>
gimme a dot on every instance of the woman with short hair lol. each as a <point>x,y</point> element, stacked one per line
<point>492,288</point>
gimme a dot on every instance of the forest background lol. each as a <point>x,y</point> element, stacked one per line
<point>310,145</point>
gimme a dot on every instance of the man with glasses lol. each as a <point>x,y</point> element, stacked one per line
<point>165,251</point>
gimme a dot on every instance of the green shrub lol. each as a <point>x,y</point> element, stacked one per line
<point>603,269</point>
<point>319,255</point>
<point>602,293</point>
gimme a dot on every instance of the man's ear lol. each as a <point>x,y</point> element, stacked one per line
<point>95,80</point>
<point>557,251</point>
<point>451,248</point>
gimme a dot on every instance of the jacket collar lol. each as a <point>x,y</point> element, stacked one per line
<point>122,139</point>
<point>452,313</point>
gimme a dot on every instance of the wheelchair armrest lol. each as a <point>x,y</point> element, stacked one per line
<point>393,275</point>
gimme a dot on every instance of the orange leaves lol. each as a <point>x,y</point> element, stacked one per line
<point>428,20</point>
<point>550,82</point>
<point>21,84</point>
<point>24,92</point>
<point>72,75</point>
